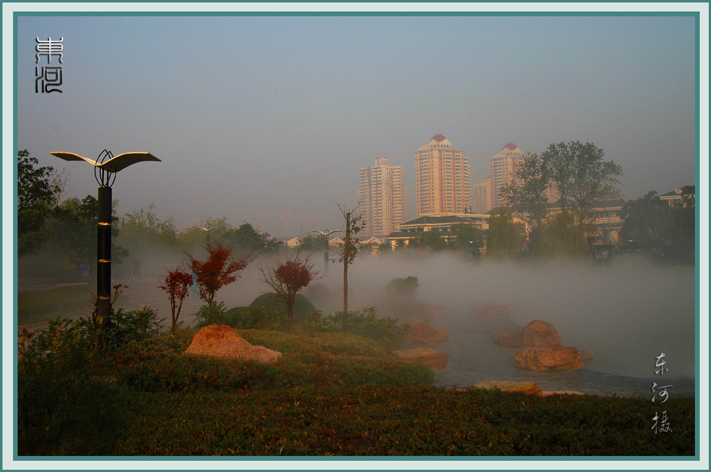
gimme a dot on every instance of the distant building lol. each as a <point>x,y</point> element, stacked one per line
<point>603,223</point>
<point>440,223</point>
<point>382,198</point>
<point>676,197</point>
<point>503,169</point>
<point>442,178</point>
<point>482,196</point>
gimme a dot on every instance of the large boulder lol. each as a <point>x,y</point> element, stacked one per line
<point>529,388</point>
<point>540,333</point>
<point>433,358</point>
<point>424,333</point>
<point>508,337</point>
<point>548,358</point>
<point>223,341</point>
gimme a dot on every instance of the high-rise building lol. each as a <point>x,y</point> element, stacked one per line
<point>503,168</point>
<point>382,198</point>
<point>443,178</point>
<point>481,195</point>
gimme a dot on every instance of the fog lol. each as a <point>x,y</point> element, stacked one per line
<point>625,311</point>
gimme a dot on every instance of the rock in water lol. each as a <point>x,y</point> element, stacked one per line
<point>223,341</point>
<point>548,358</point>
<point>540,333</point>
<point>433,358</point>
<point>508,337</point>
<point>529,388</point>
<point>424,333</point>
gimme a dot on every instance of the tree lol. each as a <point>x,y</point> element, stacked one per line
<point>403,287</point>
<point>312,242</point>
<point>35,202</point>
<point>216,271</point>
<point>467,238</point>
<point>580,175</point>
<point>176,284</point>
<point>505,237</point>
<point>141,231</point>
<point>288,278</point>
<point>349,247</point>
<point>561,235</point>
<point>651,224</point>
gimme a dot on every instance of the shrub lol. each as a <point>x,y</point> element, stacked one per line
<point>406,287</point>
<point>210,315</point>
<point>302,306</point>
<point>256,317</point>
<point>383,330</point>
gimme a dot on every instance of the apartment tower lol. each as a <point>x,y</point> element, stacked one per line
<point>382,198</point>
<point>503,169</point>
<point>443,178</point>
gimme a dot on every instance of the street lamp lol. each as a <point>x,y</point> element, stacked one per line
<point>207,230</point>
<point>105,168</point>
<point>326,233</point>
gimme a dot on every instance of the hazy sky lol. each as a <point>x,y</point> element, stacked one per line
<point>258,117</point>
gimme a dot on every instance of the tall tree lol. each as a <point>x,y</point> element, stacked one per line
<point>35,201</point>
<point>349,247</point>
<point>580,175</point>
<point>505,236</point>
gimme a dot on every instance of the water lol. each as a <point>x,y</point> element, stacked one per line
<point>473,357</point>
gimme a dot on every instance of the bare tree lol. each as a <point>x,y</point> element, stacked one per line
<point>288,278</point>
<point>348,249</point>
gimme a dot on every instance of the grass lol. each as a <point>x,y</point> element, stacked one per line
<point>331,393</point>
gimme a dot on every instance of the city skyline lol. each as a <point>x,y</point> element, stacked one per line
<point>281,122</point>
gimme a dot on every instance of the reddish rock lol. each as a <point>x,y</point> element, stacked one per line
<point>424,333</point>
<point>433,358</point>
<point>223,341</point>
<point>586,356</point>
<point>540,333</point>
<point>508,337</point>
<point>529,388</point>
<point>548,358</point>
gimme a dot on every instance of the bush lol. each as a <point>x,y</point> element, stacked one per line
<point>64,405</point>
<point>302,306</point>
<point>211,315</point>
<point>256,317</point>
<point>382,330</point>
<point>406,287</point>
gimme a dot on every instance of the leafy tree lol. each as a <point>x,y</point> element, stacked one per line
<point>141,231</point>
<point>531,196</point>
<point>35,202</point>
<point>580,174</point>
<point>429,240</point>
<point>288,278</point>
<point>403,287</point>
<point>349,247</point>
<point>467,238</point>
<point>176,284</point>
<point>561,235</point>
<point>249,239</point>
<point>652,224</point>
<point>216,271</point>
<point>312,242</point>
<point>505,237</point>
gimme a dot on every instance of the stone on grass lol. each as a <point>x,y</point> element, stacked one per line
<point>586,356</point>
<point>433,358</point>
<point>223,341</point>
<point>529,388</point>
<point>548,358</point>
<point>540,333</point>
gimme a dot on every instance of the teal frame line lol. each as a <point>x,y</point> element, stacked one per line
<point>473,459</point>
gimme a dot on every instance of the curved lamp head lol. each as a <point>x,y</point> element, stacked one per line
<point>110,166</point>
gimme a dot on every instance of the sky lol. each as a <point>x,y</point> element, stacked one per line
<point>267,119</point>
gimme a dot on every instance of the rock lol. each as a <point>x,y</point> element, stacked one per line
<point>586,356</point>
<point>433,358</point>
<point>540,333</point>
<point>489,311</point>
<point>223,341</point>
<point>561,392</point>
<point>424,333</point>
<point>548,358</point>
<point>508,337</point>
<point>529,388</point>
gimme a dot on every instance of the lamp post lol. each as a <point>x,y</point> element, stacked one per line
<point>105,168</point>
<point>325,233</point>
<point>207,230</point>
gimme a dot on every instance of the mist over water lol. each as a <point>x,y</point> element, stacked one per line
<point>625,312</point>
